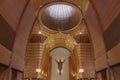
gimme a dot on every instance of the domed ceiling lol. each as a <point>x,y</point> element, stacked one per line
<point>60,16</point>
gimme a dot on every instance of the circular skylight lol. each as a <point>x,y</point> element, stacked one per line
<point>60,11</point>
<point>60,16</point>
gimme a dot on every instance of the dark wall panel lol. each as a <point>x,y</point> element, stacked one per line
<point>112,34</point>
<point>7,35</point>
<point>37,38</point>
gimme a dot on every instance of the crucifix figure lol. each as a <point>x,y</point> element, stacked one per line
<point>60,63</point>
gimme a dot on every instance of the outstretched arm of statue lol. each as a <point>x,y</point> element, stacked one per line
<point>56,61</point>
<point>63,61</point>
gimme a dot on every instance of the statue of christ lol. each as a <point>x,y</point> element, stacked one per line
<point>60,64</point>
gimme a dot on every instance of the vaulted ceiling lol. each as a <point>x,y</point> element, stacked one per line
<point>82,37</point>
<point>60,16</point>
<point>45,32</point>
<point>81,3</point>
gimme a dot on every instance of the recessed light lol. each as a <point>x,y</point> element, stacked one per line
<point>38,70</point>
<point>80,33</point>
<point>39,32</point>
<point>81,70</point>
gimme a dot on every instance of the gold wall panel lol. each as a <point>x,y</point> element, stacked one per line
<point>60,40</point>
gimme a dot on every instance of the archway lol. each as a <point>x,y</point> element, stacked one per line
<point>62,54</point>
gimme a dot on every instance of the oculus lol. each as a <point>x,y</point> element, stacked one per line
<point>60,16</point>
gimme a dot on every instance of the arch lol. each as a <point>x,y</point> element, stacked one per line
<point>60,63</point>
<point>59,47</point>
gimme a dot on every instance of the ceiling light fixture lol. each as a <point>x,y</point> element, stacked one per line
<point>80,32</point>
<point>81,70</point>
<point>39,32</point>
<point>38,70</point>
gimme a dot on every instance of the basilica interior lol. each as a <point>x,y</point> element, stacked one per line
<point>59,39</point>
